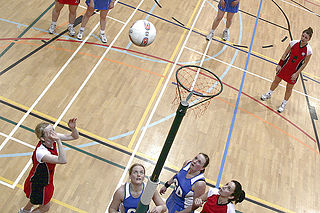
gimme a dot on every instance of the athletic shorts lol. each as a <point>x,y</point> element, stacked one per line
<point>70,2</point>
<point>228,7</point>
<point>100,4</point>
<point>38,194</point>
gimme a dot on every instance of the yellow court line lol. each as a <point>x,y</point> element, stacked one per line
<point>53,200</point>
<point>83,131</point>
<point>161,80</point>
<point>129,150</point>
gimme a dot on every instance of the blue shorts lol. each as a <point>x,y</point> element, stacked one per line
<point>99,4</point>
<point>228,7</point>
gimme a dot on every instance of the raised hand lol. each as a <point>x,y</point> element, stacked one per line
<point>72,123</point>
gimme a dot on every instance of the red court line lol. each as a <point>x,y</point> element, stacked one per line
<point>162,59</point>
<point>312,3</point>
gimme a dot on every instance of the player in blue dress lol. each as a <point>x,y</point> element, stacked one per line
<point>127,197</point>
<point>104,6</point>
<point>229,6</point>
<point>189,184</point>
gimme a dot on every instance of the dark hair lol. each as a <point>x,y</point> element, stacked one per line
<point>206,162</point>
<point>238,194</point>
<point>134,165</point>
<point>308,31</point>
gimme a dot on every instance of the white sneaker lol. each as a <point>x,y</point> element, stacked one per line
<point>71,30</point>
<point>281,108</point>
<point>52,28</point>
<point>265,96</point>
<point>225,35</point>
<point>103,38</point>
<point>210,35</point>
<point>23,211</point>
<point>80,34</point>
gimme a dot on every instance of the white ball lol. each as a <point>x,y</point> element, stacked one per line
<point>142,33</point>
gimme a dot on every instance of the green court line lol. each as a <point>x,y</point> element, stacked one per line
<point>9,121</point>
<point>27,29</point>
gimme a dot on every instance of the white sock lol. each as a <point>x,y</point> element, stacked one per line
<point>211,31</point>
<point>81,28</point>
<point>284,102</point>
<point>227,29</point>
<point>54,23</point>
<point>101,31</point>
<point>70,25</point>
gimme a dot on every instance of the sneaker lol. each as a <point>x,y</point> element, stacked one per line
<point>265,96</point>
<point>52,28</point>
<point>103,37</point>
<point>80,34</point>
<point>225,35</point>
<point>281,108</point>
<point>23,211</point>
<point>71,30</point>
<point>210,35</point>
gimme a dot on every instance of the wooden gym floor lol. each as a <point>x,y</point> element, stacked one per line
<point>118,89</point>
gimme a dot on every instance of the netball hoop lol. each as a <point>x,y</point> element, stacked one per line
<point>195,86</point>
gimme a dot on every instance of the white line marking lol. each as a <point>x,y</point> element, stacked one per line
<point>238,68</point>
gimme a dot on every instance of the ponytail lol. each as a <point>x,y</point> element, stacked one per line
<point>238,194</point>
<point>308,31</point>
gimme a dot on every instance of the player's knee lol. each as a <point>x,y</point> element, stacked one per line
<point>46,207</point>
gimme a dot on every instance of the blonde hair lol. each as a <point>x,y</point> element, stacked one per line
<point>39,129</point>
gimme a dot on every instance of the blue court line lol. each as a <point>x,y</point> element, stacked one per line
<point>27,29</point>
<point>154,123</point>
<point>237,103</point>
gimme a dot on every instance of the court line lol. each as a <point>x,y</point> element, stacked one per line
<point>301,8</point>
<point>228,86</point>
<point>27,29</point>
<point>238,101</point>
<point>211,57</point>
<point>161,93</point>
<point>146,159</point>
<point>54,200</point>
<point>226,43</point>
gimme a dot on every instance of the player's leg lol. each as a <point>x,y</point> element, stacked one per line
<point>27,208</point>
<point>72,17</point>
<point>85,19</point>
<point>55,15</point>
<point>103,21</point>
<point>287,95</point>
<point>226,34</point>
<point>215,24</point>
<point>273,86</point>
<point>42,208</point>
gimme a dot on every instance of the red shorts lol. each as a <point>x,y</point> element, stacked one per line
<point>70,2</point>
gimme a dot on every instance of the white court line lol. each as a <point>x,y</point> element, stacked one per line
<point>156,104</point>
<point>24,169</point>
<point>107,15</point>
<point>97,64</point>
<point>301,8</point>
<point>7,184</point>
<point>48,87</point>
<point>238,68</point>
<point>17,140</point>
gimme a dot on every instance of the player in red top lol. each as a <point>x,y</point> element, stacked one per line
<point>39,184</point>
<point>220,200</point>
<point>292,62</point>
